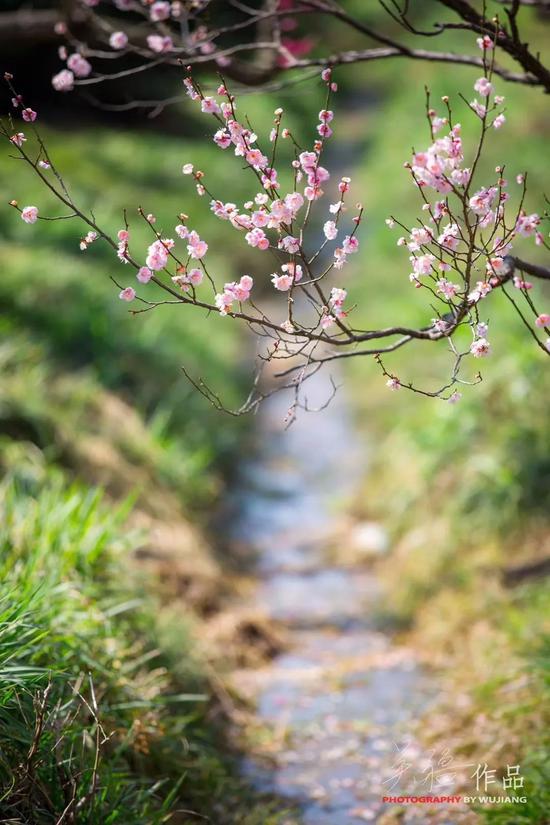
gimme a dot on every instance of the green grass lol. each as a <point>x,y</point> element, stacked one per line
<point>98,711</point>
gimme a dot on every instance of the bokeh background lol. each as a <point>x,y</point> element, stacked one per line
<point>113,466</point>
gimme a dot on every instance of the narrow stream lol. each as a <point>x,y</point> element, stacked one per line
<point>337,701</point>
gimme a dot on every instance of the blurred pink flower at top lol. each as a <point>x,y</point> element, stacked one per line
<point>483,86</point>
<point>63,81</point>
<point>144,274</point>
<point>127,294</point>
<point>160,44</point>
<point>285,5</point>
<point>29,214</point>
<point>78,65</point>
<point>295,47</point>
<point>118,40</point>
<point>234,291</point>
<point>160,11</point>
<point>480,348</point>
<point>330,230</point>
<point>485,42</point>
<point>527,224</point>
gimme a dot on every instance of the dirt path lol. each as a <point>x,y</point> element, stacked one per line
<point>338,701</point>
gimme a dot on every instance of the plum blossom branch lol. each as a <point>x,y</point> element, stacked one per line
<point>460,250</point>
<point>177,34</point>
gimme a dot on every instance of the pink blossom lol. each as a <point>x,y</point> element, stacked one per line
<point>483,86</point>
<point>159,44</point>
<point>78,65</point>
<point>181,231</point>
<point>282,282</point>
<point>325,115</point>
<point>269,179</point>
<point>527,224</point>
<point>308,161</point>
<point>344,185</point>
<point>294,269</point>
<point>480,348</point>
<point>437,122</point>
<point>29,115</point>
<point>481,290</point>
<point>234,291</point>
<point>289,244</point>
<point>393,384</point>
<point>123,235</point>
<point>499,121</point>
<point>447,289</point>
<point>190,89</point>
<point>118,40</point>
<point>63,81</point>
<point>144,274</point>
<point>479,108</point>
<point>157,256</point>
<point>455,397</point>
<point>260,218</point>
<point>336,300</point>
<point>127,294</point>
<point>350,244</point>
<point>442,158</point>
<point>326,75</point>
<point>422,264</point>
<point>521,284</point>
<point>18,139</point>
<point>420,236</point>
<point>29,214</point>
<point>294,201</point>
<point>327,320</point>
<point>257,238</point>
<point>485,43</point>
<point>196,276</point>
<point>222,139</point>
<point>543,320</point>
<point>324,130</point>
<point>210,106</point>
<point>187,169</point>
<point>330,229</point>
<point>339,258</point>
<point>481,201</point>
<point>255,158</point>
<point>449,238</point>
<point>196,247</point>
<point>160,11</point>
